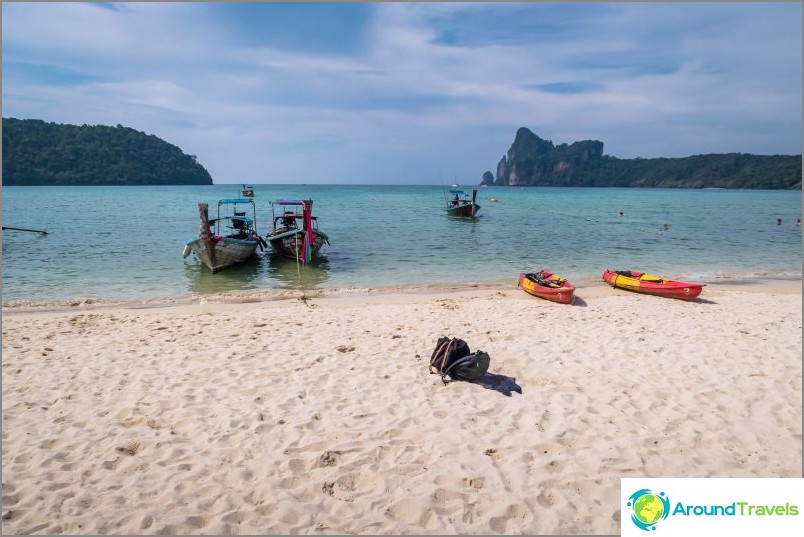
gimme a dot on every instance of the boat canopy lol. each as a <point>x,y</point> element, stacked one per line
<point>457,192</point>
<point>289,202</point>
<point>236,200</point>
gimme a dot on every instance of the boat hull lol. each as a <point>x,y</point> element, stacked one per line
<point>288,244</point>
<point>464,211</point>
<point>227,252</point>
<point>644,283</point>
<point>563,294</point>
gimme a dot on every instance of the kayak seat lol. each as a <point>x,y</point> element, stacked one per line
<point>650,279</point>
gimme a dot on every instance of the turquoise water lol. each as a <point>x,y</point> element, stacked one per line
<point>126,242</point>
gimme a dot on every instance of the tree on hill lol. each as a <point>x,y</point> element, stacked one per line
<point>40,153</point>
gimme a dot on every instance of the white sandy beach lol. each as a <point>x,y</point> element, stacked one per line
<point>287,416</point>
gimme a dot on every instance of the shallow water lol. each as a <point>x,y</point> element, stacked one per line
<point>125,243</point>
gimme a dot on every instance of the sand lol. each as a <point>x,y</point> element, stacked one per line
<point>320,416</point>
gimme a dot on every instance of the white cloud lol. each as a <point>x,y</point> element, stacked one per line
<point>664,79</point>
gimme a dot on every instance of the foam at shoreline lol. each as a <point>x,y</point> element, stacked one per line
<point>584,285</point>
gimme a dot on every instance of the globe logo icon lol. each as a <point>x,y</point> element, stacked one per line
<point>648,508</point>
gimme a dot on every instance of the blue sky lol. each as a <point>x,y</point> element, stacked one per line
<point>402,93</point>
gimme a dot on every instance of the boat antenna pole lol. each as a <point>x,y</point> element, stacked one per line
<point>440,180</point>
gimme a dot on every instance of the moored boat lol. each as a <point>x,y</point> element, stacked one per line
<point>652,285</point>
<point>228,239</point>
<point>547,285</point>
<point>295,234</point>
<point>460,204</point>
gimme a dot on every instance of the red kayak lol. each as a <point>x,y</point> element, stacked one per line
<point>652,285</point>
<point>547,285</point>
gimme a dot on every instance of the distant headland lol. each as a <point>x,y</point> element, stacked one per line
<point>40,153</point>
<point>532,161</point>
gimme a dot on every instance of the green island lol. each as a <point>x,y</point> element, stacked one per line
<point>40,153</point>
<point>533,161</point>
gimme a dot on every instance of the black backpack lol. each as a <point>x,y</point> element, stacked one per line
<point>453,358</point>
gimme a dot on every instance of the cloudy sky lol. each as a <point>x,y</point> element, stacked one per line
<point>398,93</point>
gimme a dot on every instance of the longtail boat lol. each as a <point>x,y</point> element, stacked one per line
<point>460,204</point>
<point>547,285</point>
<point>295,234</point>
<point>228,239</point>
<point>652,285</point>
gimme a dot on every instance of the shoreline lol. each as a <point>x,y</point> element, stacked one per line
<point>587,286</point>
<point>320,416</point>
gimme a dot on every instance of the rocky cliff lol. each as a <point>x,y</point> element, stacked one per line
<point>533,161</point>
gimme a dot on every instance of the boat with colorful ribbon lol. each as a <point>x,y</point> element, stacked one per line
<point>653,285</point>
<point>547,285</point>
<point>295,234</point>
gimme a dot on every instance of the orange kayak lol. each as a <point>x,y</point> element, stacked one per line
<point>652,285</point>
<point>547,285</point>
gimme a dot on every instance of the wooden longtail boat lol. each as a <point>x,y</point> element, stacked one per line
<point>547,285</point>
<point>228,239</point>
<point>295,234</point>
<point>652,285</point>
<point>460,204</point>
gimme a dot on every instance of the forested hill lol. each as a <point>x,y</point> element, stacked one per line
<point>39,153</point>
<point>532,161</point>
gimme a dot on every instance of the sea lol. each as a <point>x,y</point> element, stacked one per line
<point>124,243</point>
